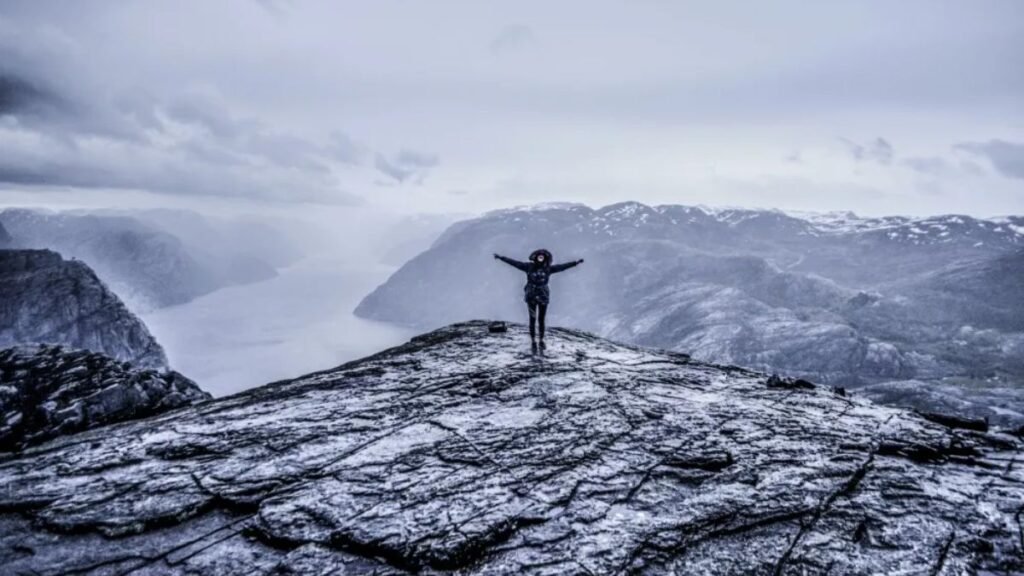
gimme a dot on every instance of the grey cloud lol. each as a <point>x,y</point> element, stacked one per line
<point>249,136</point>
<point>139,108</point>
<point>344,149</point>
<point>927,164</point>
<point>1006,157</point>
<point>205,112</point>
<point>129,141</point>
<point>414,159</point>
<point>93,91</point>
<point>971,168</point>
<point>20,96</point>
<point>406,164</point>
<point>54,174</point>
<point>190,169</point>
<point>391,169</point>
<point>511,37</point>
<point>882,150</point>
<point>878,150</point>
<point>78,129</point>
<point>275,7</point>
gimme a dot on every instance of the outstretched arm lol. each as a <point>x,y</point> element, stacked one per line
<point>565,266</point>
<point>516,263</point>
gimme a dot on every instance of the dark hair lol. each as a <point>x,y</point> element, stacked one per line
<point>540,252</point>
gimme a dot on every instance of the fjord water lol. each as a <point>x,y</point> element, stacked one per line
<point>300,321</point>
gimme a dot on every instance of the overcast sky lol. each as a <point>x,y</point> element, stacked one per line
<point>876,107</point>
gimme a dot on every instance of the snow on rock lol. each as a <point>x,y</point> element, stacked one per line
<point>46,391</point>
<point>462,452</point>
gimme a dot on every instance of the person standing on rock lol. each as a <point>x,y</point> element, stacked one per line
<point>536,293</point>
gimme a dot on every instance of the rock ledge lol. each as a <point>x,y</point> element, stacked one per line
<point>462,452</point>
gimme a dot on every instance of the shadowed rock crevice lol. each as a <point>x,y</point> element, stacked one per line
<point>463,452</point>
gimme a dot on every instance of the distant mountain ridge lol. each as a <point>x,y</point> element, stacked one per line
<point>834,297</point>
<point>154,258</point>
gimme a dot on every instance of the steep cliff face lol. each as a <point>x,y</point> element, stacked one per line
<point>47,391</point>
<point>5,238</point>
<point>462,452</point>
<point>46,299</point>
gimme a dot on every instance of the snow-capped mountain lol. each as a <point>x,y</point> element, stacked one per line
<point>831,297</point>
<point>462,453</point>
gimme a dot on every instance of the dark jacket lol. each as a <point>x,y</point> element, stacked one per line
<point>536,289</point>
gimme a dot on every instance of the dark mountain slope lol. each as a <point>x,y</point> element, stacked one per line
<point>46,299</point>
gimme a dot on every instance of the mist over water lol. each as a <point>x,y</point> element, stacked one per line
<point>300,321</point>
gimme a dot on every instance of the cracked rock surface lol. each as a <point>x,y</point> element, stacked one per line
<point>46,391</point>
<point>462,452</point>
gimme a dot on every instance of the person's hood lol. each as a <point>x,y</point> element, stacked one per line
<point>547,256</point>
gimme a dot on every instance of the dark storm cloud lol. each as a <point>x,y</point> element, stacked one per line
<point>1006,157</point>
<point>20,96</point>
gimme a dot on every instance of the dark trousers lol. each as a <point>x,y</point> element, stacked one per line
<point>537,313</point>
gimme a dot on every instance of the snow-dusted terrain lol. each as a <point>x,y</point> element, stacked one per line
<point>462,452</point>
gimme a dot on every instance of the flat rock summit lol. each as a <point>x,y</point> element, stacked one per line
<point>461,452</point>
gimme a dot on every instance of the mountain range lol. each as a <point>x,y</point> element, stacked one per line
<point>834,298</point>
<point>155,258</point>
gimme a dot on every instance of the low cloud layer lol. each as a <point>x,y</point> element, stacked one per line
<point>1006,157</point>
